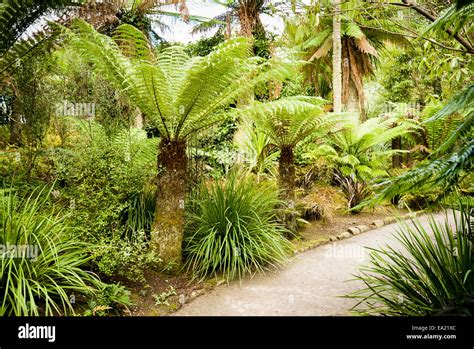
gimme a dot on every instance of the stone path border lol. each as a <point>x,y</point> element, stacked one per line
<point>358,229</point>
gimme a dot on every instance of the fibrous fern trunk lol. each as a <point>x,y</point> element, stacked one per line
<point>168,227</point>
<point>286,169</point>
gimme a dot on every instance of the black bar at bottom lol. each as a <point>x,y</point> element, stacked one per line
<point>319,332</point>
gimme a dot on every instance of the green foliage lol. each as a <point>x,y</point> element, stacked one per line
<point>360,148</point>
<point>204,46</point>
<point>109,299</point>
<point>116,257</point>
<point>256,149</point>
<point>106,188</point>
<point>17,18</point>
<point>179,95</point>
<point>163,298</point>
<point>231,229</point>
<point>290,120</point>
<point>449,163</point>
<point>435,276</point>
<point>420,74</point>
<point>454,18</point>
<point>41,285</point>
<point>104,179</point>
<point>213,148</point>
<point>74,81</point>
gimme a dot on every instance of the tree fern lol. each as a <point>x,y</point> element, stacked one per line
<point>180,96</point>
<point>287,122</point>
<point>453,18</point>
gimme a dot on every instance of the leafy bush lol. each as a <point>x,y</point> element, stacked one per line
<point>104,181</point>
<point>435,277</point>
<point>138,217</point>
<point>41,285</point>
<point>118,257</point>
<point>112,298</point>
<point>231,229</point>
<point>107,189</point>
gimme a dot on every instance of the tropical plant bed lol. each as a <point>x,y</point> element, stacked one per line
<point>318,232</point>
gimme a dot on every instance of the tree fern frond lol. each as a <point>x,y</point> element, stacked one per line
<point>287,121</point>
<point>133,42</point>
<point>452,18</point>
<point>178,94</point>
<point>20,33</point>
<point>442,172</point>
<point>464,100</point>
<point>352,29</point>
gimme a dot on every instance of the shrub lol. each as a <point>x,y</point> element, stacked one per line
<point>41,285</point>
<point>106,186</point>
<point>354,190</point>
<point>104,181</point>
<point>112,298</point>
<point>434,277</point>
<point>231,229</point>
<point>118,257</point>
<point>320,204</point>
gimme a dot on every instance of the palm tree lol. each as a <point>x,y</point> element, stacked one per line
<point>287,122</point>
<point>362,35</point>
<point>181,96</point>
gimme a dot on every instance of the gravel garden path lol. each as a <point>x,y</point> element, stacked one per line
<point>310,284</point>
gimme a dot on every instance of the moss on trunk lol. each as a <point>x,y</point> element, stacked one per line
<point>286,169</point>
<point>168,227</point>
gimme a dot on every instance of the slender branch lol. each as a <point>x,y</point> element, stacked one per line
<point>414,35</point>
<point>425,13</point>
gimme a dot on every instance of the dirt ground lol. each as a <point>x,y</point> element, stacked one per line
<point>162,294</point>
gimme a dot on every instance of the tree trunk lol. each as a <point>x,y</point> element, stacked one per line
<point>286,169</point>
<point>168,227</point>
<point>15,124</point>
<point>138,120</point>
<point>352,103</point>
<point>397,158</point>
<point>336,59</point>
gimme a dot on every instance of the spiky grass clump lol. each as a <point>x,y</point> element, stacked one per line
<point>43,285</point>
<point>434,276</point>
<point>232,229</point>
